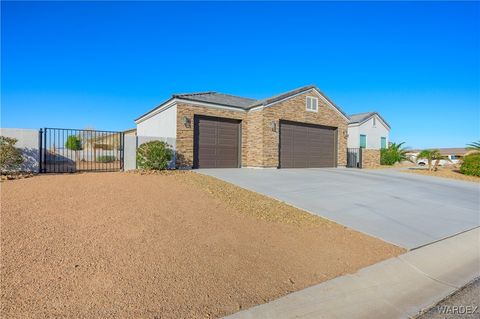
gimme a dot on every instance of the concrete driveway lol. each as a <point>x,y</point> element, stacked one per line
<point>405,209</point>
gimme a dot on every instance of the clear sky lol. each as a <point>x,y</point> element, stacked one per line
<point>102,64</point>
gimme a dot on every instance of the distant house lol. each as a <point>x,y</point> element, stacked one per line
<point>368,130</point>
<point>454,154</point>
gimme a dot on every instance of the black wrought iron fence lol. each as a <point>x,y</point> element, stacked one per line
<point>354,157</point>
<point>72,150</point>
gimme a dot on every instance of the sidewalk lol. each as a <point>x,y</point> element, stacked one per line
<point>396,288</point>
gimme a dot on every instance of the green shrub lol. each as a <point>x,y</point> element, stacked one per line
<point>10,156</point>
<point>471,165</point>
<point>106,158</point>
<point>154,155</point>
<point>73,143</point>
<point>393,154</point>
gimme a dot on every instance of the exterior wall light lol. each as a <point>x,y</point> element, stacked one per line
<point>345,133</point>
<point>186,121</point>
<point>274,126</point>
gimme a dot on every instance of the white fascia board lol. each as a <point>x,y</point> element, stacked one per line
<point>368,118</point>
<point>300,93</point>
<point>160,109</point>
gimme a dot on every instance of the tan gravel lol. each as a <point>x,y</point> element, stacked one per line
<point>452,173</point>
<point>104,245</point>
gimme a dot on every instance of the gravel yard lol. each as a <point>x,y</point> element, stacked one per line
<point>172,245</point>
<point>445,172</point>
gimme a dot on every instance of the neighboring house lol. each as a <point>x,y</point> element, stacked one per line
<point>130,132</point>
<point>454,155</point>
<point>299,128</point>
<point>368,130</point>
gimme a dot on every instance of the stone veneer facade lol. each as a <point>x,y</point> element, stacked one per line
<point>370,158</point>
<point>259,141</point>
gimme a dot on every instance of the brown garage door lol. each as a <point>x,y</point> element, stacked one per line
<point>216,142</point>
<point>304,145</point>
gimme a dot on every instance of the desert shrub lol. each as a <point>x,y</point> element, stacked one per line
<point>471,165</point>
<point>73,143</point>
<point>393,154</point>
<point>154,155</point>
<point>10,156</point>
<point>105,158</point>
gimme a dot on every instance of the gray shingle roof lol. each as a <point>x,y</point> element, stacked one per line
<point>361,117</point>
<point>238,101</point>
<point>218,98</point>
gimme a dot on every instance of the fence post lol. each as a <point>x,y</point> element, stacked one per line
<point>40,144</point>
<point>360,162</point>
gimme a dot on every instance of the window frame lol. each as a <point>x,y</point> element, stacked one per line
<point>360,144</point>
<point>312,98</point>
<point>383,138</point>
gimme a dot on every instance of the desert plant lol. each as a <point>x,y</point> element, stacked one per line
<point>154,155</point>
<point>10,156</point>
<point>471,165</point>
<point>474,146</point>
<point>106,158</point>
<point>74,143</point>
<point>395,153</point>
<point>432,156</point>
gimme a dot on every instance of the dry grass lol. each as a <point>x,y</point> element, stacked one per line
<point>445,172</point>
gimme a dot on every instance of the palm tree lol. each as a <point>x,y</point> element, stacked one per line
<point>474,147</point>
<point>395,153</point>
<point>431,156</point>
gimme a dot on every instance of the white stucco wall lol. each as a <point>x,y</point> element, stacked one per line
<point>373,133</point>
<point>163,124</point>
<point>28,143</point>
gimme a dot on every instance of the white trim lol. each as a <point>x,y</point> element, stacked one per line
<point>156,111</point>
<point>363,122</point>
<point>166,105</point>
<point>306,103</point>
<point>303,92</point>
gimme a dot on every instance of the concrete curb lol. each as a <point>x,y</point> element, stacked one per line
<point>396,288</point>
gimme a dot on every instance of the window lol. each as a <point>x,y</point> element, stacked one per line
<point>374,122</point>
<point>363,141</point>
<point>383,142</point>
<point>454,157</point>
<point>312,104</point>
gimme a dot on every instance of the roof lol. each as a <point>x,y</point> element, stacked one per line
<point>362,117</point>
<point>239,102</point>
<point>217,98</point>
<point>447,151</point>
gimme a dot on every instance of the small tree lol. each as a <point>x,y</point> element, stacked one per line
<point>432,156</point>
<point>395,153</point>
<point>73,143</point>
<point>154,155</point>
<point>10,156</point>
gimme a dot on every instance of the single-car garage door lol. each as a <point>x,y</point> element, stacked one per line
<point>305,145</point>
<point>216,142</point>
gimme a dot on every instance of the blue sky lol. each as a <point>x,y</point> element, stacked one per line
<point>102,64</point>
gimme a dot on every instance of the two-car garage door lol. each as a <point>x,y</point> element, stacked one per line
<point>304,145</point>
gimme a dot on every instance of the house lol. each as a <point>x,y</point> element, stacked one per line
<point>130,132</point>
<point>368,130</point>
<point>299,128</point>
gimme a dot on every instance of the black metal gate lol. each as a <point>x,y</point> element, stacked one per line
<point>354,157</point>
<point>71,150</point>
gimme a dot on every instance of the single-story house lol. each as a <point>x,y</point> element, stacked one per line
<point>368,130</point>
<point>299,128</point>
